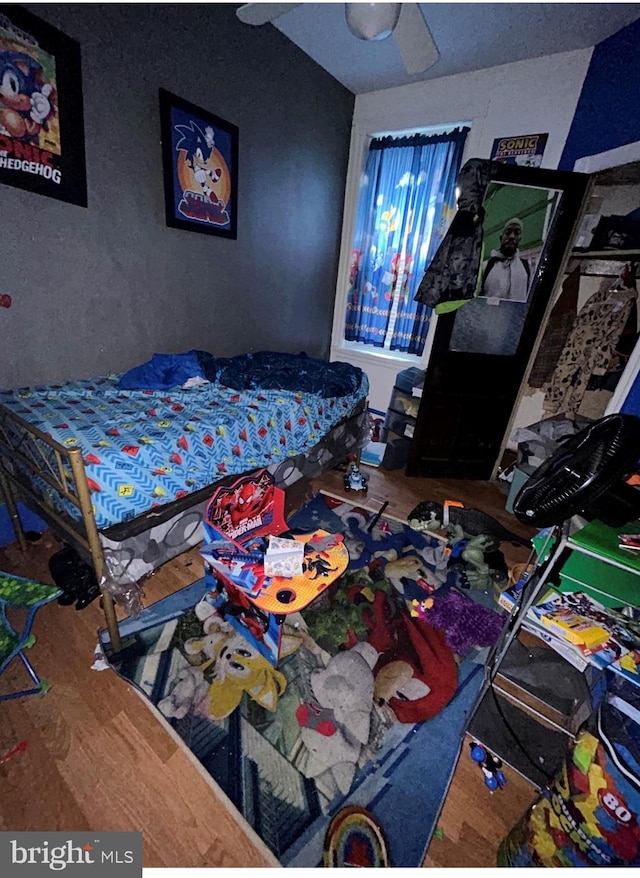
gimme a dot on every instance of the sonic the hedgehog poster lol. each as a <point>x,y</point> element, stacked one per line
<point>200,160</point>
<point>41,116</point>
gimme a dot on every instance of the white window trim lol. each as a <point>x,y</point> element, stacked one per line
<point>352,351</point>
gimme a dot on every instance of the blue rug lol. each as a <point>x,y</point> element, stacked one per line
<point>343,754</point>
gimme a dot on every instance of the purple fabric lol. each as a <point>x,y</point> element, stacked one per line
<point>466,623</point>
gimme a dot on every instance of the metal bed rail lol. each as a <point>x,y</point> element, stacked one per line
<point>25,451</point>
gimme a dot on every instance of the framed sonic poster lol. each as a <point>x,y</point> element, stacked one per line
<point>41,112</point>
<point>200,164</point>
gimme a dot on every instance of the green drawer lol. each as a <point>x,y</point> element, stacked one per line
<point>611,586</point>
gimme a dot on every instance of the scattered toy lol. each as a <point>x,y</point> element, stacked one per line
<point>9,754</point>
<point>354,480</point>
<point>491,767</point>
<point>431,516</point>
<point>477,558</point>
<point>377,516</point>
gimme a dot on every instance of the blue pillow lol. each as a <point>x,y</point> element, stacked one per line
<point>162,372</point>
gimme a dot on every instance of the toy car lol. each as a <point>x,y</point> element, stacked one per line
<point>354,480</point>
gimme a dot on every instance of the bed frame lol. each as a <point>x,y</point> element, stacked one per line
<point>26,451</point>
<point>25,446</point>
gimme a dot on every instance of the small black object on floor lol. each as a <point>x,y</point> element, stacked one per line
<point>75,577</point>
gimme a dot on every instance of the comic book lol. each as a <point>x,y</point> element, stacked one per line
<point>568,616</point>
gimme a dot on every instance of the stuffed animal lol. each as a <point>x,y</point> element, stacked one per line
<point>396,680</point>
<point>238,666</point>
<point>337,725</point>
<point>464,622</point>
<point>409,567</point>
<point>187,692</point>
<point>402,639</point>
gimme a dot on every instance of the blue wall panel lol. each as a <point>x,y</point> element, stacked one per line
<point>608,111</point>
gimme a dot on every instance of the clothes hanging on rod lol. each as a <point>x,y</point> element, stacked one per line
<point>591,345</point>
<point>556,333</point>
<point>451,278</point>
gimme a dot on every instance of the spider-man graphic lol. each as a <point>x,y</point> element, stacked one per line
<point>252,506</point>
<point>248,501</point>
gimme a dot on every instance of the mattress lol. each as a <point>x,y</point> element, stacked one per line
<point>134,549</point>
<point>143,449</point>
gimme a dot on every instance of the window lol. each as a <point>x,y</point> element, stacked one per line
<point>407,200</point>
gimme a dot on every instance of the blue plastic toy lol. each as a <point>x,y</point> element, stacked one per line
<point>354,480</point>
<point>494,778</point>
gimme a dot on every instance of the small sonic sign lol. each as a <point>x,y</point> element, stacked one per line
<point>525,150</point>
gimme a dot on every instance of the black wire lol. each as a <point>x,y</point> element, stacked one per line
<point>549,778</point>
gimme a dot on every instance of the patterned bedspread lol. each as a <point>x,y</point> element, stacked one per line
<point>145,448</point>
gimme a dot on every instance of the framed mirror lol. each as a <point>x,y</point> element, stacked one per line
<point>481,350</point>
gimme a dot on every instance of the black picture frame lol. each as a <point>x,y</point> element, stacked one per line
<point>200,168</point>
<point>42,148</point>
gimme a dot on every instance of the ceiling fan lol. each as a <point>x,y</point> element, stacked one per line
<point>369,21</point>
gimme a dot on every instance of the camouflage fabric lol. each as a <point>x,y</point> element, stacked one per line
<point>19,592</point>
<point>9,642</point>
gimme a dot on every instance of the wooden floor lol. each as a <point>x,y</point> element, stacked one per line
<point>97,758</point>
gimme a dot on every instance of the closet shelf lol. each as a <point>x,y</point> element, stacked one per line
<point>605,254</point>
<point>600,263</point>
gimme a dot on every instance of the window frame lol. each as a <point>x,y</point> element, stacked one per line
<point>341,349</point>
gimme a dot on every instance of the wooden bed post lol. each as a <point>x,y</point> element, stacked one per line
<point>95,546</point>
<point>12,508</point>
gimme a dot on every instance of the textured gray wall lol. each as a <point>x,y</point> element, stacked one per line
<point>100,289</point>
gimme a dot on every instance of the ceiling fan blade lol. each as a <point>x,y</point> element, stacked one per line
<point>414,41</point>
<point>261,13</point>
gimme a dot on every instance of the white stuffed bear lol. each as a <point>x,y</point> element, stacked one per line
<point>189,689</point>
<point>344,695</point>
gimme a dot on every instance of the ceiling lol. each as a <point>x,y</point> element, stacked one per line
<point>469,36</point>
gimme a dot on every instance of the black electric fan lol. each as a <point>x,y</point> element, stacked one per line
<point>587,475</point>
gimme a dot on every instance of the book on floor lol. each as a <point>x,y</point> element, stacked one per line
<point>581,628</point>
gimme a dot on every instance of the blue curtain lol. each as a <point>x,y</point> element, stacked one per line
<point>407,200</point>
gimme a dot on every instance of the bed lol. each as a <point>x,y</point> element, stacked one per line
<point>121,466</point>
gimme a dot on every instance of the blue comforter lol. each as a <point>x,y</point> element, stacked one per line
<point>268,370</point>
<point>147,447</point>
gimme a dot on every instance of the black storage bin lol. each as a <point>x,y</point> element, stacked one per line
<point>396,452</point>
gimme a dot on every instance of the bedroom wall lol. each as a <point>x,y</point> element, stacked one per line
<point>102,288</point>
<point>527,97</point>
<point>607,114</point>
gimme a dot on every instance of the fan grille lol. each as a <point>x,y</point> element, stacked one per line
<point>584,469</point>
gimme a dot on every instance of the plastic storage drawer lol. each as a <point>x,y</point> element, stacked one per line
<point>610,585</point>
<point>399,424</point>
<point>409,379</point>
<point>403,403</point>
